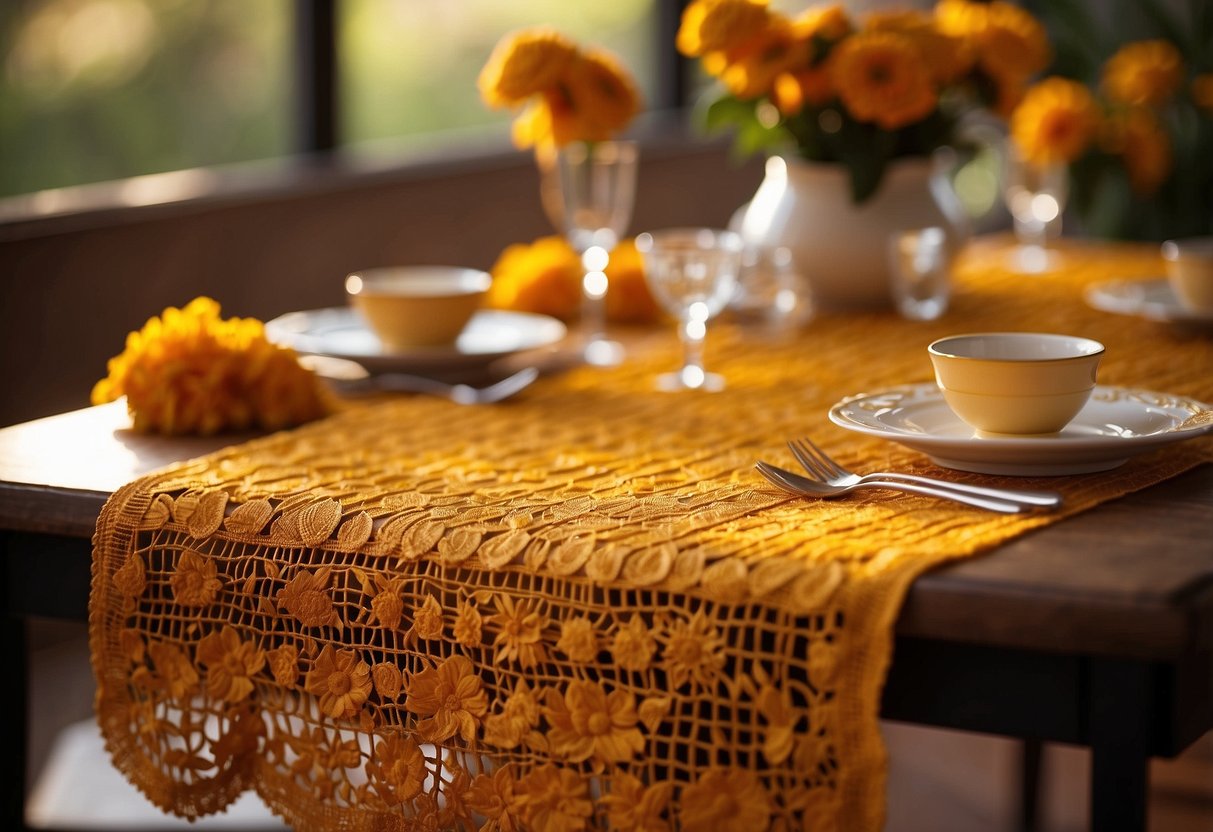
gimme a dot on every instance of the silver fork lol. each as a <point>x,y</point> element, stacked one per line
<point>458,393</point>
<point>820,465</point>
<point>803,486</point>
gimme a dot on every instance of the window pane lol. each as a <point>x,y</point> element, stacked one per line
<point>409,67</point>
<point>93,90</point>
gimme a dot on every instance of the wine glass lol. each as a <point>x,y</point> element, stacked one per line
<point>1036,196</point>
<point>693,274</point>
<point>588,192</point>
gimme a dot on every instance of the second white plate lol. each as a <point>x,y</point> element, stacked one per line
<point>1150,298</point>
<point>341,333</point>
<point>1115,424</point>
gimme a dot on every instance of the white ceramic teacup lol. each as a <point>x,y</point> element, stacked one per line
<point>1190,271</point>
<point>1016,382</point>
<point>417,306</point>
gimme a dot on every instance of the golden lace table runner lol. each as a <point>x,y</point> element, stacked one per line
<point>578,609</point>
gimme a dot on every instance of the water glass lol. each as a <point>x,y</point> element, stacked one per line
<point>771,291</point>
<point>919,270</point>
<point>692,272</point>
<point>589,192</point>
<point>1036,197</point>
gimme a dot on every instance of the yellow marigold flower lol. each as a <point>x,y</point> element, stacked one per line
<point>555,800</point>
<point>341,680</point>
<point>173,668</point>
<point>829,22</point>
<point>1009,43</point>
<point>794,90</point>
<point>190,371</point>
<point>880,78</point>
<point>1144,73</point>
<point>1202,91</point>
<point>948,57</point>
<point>494,798</point>
<point>1056,122</point>
<point>451,697</point>
<point>692,652</point>
<point>523,64</point>
<point>519,626</point>
<point>587,722</point>
<point>1137,136</point>
<point>751,70</point>
<point>725,800</point>
<point>542,277</point>
<point>196,580</point>
<point>628,299</point>
<point>397,770</point>
<point>231,664</point>
<point>719,25</point>
<point>632,805</point>
<point>601,96</point>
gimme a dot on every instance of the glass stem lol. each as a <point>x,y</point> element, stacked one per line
<point>593,300</point>
<point>692,332</point>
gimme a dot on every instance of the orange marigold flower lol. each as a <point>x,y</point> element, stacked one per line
<point>190,371</point>
<point>555,800</point>
<point>231,664</point>
<point>725,800</point>
<point>1137,136</point>
<point>1010,44</point>
<point>720,25</point>
<point>397,770</point>
<point>634,645</point>
<point>542,277</point>
<point>587,722</point>
<point>751,70</point>
<point>519,626</point>
<point>196,580</point>
<point>880,78</point>
<point>174,669</point>
<point>793,90</point>
<point>692,652</point>
<point>948,57</point>
<point>577,639</point>
<point>494,797</point>
<point>1056,122</point>
<point>451,697</point>
<point>829,22</point>
<point>523,64</point>
<point>632,805</point>
<point>1144,73</point>
<point>341,680</point>
<point>600,95</point>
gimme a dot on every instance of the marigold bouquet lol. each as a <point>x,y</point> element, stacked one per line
<point>1135,132</point>
<point>190,371</point>
<point>564,93</point>
<point>859,92</point>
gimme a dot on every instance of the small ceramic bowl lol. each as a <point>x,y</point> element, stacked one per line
<point>1190,271</point>
<point>1018,383</point>
<point>417,306</point>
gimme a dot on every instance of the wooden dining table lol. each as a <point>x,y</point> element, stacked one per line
<point>1094,631</point>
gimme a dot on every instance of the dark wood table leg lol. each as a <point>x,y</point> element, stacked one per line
<point>16,731</point>
<point>1031,752</point>
<point>1120,703</point>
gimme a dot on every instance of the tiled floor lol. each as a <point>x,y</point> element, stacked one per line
<point>939,781</point>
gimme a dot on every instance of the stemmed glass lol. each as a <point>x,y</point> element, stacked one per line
<point>693,274</point>
<point>588,192</point>
<point>1036,196</point>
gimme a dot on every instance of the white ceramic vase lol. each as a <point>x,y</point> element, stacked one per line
<point>839,247</point>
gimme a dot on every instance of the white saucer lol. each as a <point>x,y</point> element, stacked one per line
<point>1150,298</point>
<point>1115,424</point>
<point>340,332</point>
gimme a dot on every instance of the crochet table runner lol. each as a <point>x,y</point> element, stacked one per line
<point>578,609</point>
